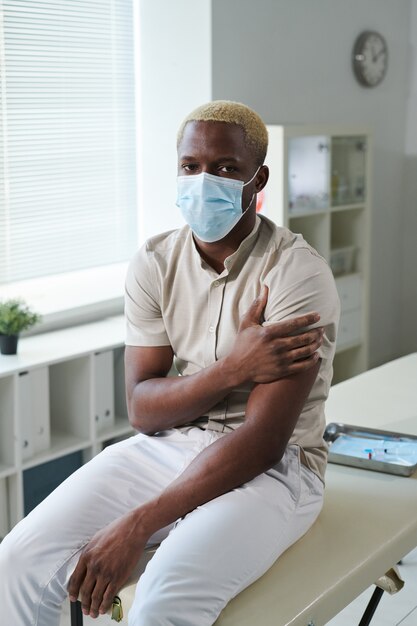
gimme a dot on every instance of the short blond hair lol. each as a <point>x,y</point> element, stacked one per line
<point>254,129</point>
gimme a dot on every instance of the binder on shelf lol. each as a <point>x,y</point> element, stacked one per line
<point>33,411</point>
<point>103,390</point>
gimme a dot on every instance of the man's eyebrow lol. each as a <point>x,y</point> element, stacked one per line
<point>220,159</point>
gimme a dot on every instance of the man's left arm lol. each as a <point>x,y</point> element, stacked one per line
<point>272,412</point>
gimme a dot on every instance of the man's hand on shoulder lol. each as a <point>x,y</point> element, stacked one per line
<point>263,354</point>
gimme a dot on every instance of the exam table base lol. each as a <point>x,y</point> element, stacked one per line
<point>371,608</point>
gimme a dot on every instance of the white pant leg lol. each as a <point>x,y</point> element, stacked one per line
<point>39,555</point>
<point>225,545</point>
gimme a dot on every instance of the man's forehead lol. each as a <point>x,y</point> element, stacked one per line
<point>224,136</point>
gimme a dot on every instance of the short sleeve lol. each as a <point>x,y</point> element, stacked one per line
<point>144,322</point>
<point>302,282</point>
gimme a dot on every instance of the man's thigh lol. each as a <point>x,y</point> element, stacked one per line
<point>223,546</point>
<point>117,480</point>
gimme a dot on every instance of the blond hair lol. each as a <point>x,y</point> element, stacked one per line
<point>254,129</point>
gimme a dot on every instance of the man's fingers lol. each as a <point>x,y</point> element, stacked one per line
<point>303,365</point>
<point>298,341</point>
<point>86,592</point>
<point>289,327</point>
<point>254,314</point>
<point>305,351</point>
<point>97,596</point>
<point>107,600</point>
<point>76,580</point>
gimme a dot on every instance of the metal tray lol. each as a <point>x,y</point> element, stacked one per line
<point>366,459</point>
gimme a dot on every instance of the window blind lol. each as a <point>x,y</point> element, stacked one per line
<point>67,136</point>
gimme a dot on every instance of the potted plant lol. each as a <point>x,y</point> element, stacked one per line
<point>15,316</point>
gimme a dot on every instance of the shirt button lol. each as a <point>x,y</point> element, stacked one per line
<point>211,329</point>
<point>216,283</point>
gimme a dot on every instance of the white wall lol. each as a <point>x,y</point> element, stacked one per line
<point>174,77</point>
<point>409,283</point>
<point>291,61</point>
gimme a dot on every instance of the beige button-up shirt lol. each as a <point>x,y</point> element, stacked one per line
<point>173,297</point>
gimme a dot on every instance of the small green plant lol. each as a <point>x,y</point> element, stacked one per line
<point>16,316</point>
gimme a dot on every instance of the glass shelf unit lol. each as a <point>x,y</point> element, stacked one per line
<point>319,186</point>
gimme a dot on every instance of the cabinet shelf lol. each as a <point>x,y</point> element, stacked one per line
<point>295,213</point>
<point>347,207</point>
<point>61,398</point>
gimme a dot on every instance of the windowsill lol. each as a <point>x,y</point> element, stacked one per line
<point>72,298</point>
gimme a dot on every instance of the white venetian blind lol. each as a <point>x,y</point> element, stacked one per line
<point>67,136</point>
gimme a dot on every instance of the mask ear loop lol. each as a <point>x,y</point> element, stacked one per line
<point>254,194</point>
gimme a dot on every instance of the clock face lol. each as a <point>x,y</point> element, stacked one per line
<point>370,58</point>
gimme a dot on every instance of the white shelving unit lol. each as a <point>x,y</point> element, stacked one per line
<point>320,186</point>
<point>62,399</point>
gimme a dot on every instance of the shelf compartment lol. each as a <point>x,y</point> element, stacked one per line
<point>40,480</point>
<point>70,398</point>
<point>315,230</point>
<point>348,228</point>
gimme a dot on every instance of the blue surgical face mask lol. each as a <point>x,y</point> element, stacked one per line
<point>211,205</point>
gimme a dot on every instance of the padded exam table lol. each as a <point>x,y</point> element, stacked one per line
<point>368,522</point>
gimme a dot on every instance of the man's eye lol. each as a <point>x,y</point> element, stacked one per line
<point>228,169</point>
<point>189,167</point>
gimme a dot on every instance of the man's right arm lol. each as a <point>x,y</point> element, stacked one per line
<point>259,355</point>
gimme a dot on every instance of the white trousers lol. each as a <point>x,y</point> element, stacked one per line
<point>204,560</point>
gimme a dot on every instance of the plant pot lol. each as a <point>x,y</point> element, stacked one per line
<point>8,344</point>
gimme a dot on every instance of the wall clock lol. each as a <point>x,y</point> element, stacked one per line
<point>370,58</point>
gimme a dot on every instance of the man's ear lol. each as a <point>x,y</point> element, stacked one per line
<point>261,178</point>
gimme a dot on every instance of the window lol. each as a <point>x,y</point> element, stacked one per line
<point>67,136</point>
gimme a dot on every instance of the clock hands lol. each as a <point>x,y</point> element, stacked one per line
<point>376,56</point>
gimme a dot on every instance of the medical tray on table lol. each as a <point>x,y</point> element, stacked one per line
<point>368,448</point>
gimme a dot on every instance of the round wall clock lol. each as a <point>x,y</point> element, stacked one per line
<point>370,58</point>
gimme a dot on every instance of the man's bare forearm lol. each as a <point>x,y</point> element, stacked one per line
<point>160,403</point>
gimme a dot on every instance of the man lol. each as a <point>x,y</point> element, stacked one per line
<point>228,468</point>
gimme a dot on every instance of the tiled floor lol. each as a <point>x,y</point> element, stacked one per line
<point>397,610</point>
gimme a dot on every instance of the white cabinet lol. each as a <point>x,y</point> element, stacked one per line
<point>62,399</point>
<point>319,186</point>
